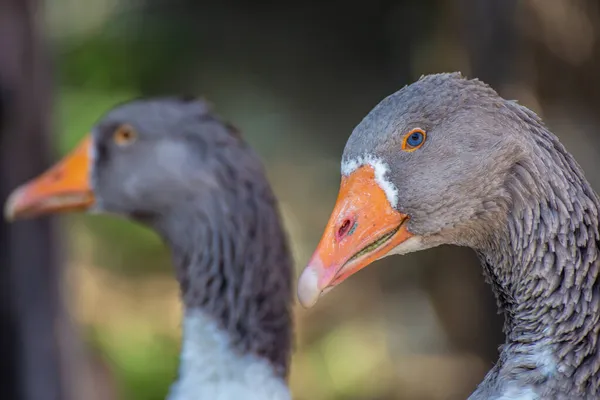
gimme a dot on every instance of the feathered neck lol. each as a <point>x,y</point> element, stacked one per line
<point>235,271</point>
<point>544,270</point>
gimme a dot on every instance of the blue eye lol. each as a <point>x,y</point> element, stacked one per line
<point>414,139</point>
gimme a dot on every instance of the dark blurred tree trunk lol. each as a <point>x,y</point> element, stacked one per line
<point>31,367</point>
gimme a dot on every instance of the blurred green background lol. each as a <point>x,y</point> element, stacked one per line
<point>296,77</point>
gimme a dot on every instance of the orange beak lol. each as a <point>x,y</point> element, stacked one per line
<point>64,187</point>
<point>362,228</point>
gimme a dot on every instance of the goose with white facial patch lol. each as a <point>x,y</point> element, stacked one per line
<point>448,161</point>
<point>175,167</point>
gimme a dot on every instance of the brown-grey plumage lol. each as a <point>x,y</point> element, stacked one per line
<point>174,166</point>
<point>194,180</point>
<point>492,177</point>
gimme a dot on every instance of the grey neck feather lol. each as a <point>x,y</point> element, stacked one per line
<point>543,267</point>
<point>232,262</point>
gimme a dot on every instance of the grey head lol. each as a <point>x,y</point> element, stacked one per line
<point>175,154</point>
<point>457,177</point>
<point>429,165</point>
<point>144,158</point>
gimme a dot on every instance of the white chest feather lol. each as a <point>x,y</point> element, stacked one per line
<point>211,370</point>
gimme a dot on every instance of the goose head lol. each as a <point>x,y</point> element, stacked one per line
<point>427,166</point>
<point>143,160</point>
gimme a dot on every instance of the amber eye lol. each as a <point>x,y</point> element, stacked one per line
<point>124,135</point>
<point>414,139</point>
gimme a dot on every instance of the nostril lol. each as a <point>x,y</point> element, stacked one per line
<point>56,175</point>
<point>344,228</point>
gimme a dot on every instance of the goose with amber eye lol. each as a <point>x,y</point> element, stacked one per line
<point>174,166</point>
<point>448,161</point>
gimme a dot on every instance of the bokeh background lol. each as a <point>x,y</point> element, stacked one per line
<point>88,305</point>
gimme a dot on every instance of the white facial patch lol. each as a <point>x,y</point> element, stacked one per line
<point>410,245</point>
<point>381,169</point>
<point>210,367</point>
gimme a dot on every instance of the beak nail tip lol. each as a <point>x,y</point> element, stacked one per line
<point>308,290</point>
<point>10,206</point>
